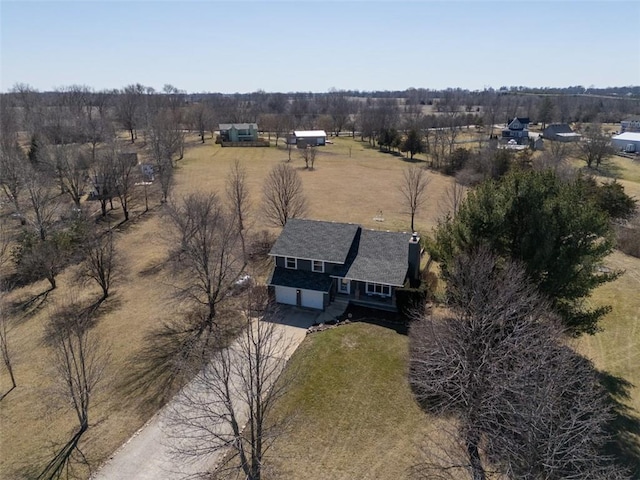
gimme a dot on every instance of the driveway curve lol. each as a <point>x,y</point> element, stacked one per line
<point>147,455</point>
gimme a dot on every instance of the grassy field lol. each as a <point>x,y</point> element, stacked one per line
<point>616,349</point>
<point>351,183</point>
<point>351,412</point>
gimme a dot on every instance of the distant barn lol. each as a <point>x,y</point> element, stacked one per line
<point>560,132</point>
<point>628,142</point>
<point>313,138</point>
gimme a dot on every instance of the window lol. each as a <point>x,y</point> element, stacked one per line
<point>317,266</point>
<point>379,289</point>
<point>290,262</point>
<point>343,285</point>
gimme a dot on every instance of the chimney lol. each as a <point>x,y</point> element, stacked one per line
<point>414,258</point>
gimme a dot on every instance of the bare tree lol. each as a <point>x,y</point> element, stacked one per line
<point>454,194</point>
<point>124,173</point>
<point>14,174</point>
<point>227,406</point>
<point>163,147</point>
<point>79,360</point>
<point>308,154</point>
<point>73,169</point>
<point>103,181</point>
<point>206,256</point>
<point>6,351</point>
<point>283,195</point>
<point>238,197</point>
<point>101,262</point>
<point>129,102</point>
<point>413,189</point>
<point>5,255</point>
<point>496,363</point>
<point>44,203</point>
<point>201,118</point>
<point>595,147</point>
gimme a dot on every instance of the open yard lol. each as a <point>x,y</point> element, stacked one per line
<point>354,416</point>
<point>351,182</point>
<point>351,411</point>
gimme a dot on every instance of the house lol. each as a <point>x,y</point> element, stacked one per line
<point>238,132</point>
<point>560,132</point>
<point>518,130</point>
<point>631,124</point>
<point>628,142</point>
<point>319,262</point>
<point>313,138</point>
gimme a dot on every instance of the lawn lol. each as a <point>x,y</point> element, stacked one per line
<point>351,183</point>
<point>350,412</point>
<point>616,349</point>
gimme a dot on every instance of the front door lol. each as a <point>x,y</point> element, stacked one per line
<point>344,286</point>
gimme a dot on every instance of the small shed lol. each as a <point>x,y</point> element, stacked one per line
<point>627,142</point>
<point>310,137</point>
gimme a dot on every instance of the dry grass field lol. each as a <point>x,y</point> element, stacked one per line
<point>351,183</point>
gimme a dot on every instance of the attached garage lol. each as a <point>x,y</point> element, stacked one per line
<point>308,298</point>
<point>312,299</point>
<point>286,295</point>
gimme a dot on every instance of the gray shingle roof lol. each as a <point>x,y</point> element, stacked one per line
<point>300,279</point>
<point>556,128</point>
<point>239,126</point>
<point>378,257</point>
<point>315,240</point>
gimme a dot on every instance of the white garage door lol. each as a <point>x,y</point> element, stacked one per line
<point>312,299</point>
<point>286,295</point>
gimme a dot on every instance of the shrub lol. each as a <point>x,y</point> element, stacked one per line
<point>411,300</point>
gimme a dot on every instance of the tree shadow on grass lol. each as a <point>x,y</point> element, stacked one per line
<point>607,169</point>
<point>25,308</point>
<point>624,427</point>
<point>414,160</point>
<point>68,460</point>
<point>168,358</point>
<point>387,319</point>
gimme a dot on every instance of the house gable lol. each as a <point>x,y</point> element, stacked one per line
<point>519,123</point>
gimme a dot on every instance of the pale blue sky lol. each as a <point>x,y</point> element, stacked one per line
<point>240,46</point>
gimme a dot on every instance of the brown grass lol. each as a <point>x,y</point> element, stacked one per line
<point>345,186</point>
<point>351,183</point>
<point>616,349</point>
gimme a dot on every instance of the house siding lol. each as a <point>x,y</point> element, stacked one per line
<point>358,293</point>
<point>306,265</point>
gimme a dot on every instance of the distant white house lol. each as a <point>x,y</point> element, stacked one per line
<point>631,124</point>
<point>302,138</point>
<point>627,141</point>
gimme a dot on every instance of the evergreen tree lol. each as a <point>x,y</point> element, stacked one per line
<point>413,143</point>
<point>559,234</point>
